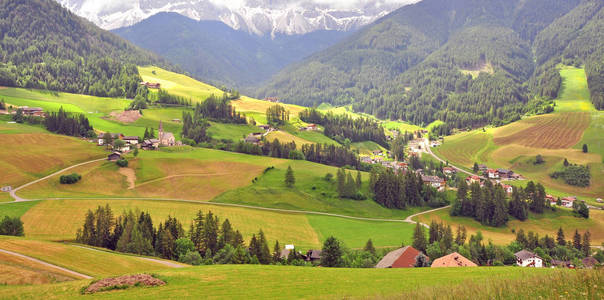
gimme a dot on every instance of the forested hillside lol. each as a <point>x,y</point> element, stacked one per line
<point>218,54</point>
<point>466,62</point>
<point>45,46</point>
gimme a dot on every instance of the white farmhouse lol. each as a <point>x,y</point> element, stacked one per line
<point>526,258</point>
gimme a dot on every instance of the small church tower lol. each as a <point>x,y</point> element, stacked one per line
<point>160,131</point>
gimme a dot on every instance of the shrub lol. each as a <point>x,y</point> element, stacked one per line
<point>191,258</point>
<point>11,226</point>
<point>70,179</point>
<point>122,163</point>
<point>576,175</point>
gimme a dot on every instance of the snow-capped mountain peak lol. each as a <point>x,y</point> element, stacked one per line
<point>260,17</point>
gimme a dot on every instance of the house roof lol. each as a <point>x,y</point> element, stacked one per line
<point>525,254</point>
<point>167,135</point>
<point>589,262</point>
<point>314,254</point>
<point>432,179</point>
<point>130,138</point>
<point>402,258</point>
<point>453,260</point>
<point>284,253</point>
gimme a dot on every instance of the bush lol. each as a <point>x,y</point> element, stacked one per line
<point>122,163</point>
<point>576,175</point>
<point>70,179</point>
<point>11,226</point>
<point>191,258</point>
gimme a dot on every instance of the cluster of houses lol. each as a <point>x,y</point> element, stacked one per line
<point>256,137</point>
<point>165,139</point>
<point>567,201</point>
<point>406,257</point>
<point>151,85</point>
<point>313,256</point>
<point>27,111</point>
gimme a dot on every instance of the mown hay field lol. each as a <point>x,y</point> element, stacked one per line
<point>464,148</point>
<point>286,137</point>
<point>247,104</point>
<point>178,84</point>
<point>554,131</point>
<point>547,223</point>
<point>25,157</point>
<point>259,282</point>
<point>86,261</point>
<point>574,93</point>
<point>19,271</point>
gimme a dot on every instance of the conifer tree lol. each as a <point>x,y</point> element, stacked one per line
<point>290,180</point>
<point>276,252</point>
<point>196,233</point>
<point>331,255</point>
<point>419,238</point>
<point>226,234</point>
<point>577,240</point>
<point>341,182</point>
<point>560,237</point>
<point>369,247</point>
<point>586,243</point>
<point>210,233</point>
<point>351,188</point>
<point>359,181</point>
<point>264,254</point>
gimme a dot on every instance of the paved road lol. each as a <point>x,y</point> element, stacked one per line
<point>409,218</point>
<point>19,199</point>
<point>74,273</point>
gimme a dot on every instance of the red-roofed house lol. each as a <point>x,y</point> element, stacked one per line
<point>449,170</point>
<point>493,174</point>
<point>400,258</point>
<point>568,201</point>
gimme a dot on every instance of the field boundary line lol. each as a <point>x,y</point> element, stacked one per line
<point>158,261</point>
<point>77,274</point>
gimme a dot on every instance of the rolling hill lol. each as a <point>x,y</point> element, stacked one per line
<point>467,63</point>
<point>221,55</point>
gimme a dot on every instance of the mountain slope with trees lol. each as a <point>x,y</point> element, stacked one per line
<point>468,63</point>
<point>219,54</point>
<point>43,45</point>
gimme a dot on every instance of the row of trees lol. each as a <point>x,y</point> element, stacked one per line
<point>576,175</point>
<point>348,187</point>
<point>277,115</point>
<point>341,127</point>
<point>220,109</point>
<point>489,204</point>
<point>442,240</point>
<point>68,124</point>
<point>403,189</point>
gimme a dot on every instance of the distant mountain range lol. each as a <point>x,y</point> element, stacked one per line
<point>218,54</point>
<point>260,17</point>
<point>465,62</point>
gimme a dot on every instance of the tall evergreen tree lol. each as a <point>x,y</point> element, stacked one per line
<point>419,238</point>
<point>586,245</point>
<point>577,240</point>
<point>369,247</point>
<point>331,255</point>
<point>290,180</point>
<point>560,237</point>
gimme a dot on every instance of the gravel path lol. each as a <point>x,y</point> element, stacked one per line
<point>74,273</point>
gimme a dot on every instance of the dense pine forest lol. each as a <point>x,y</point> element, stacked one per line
<point>45,46</point>
<point>341,127</point>
<point>468,63</point>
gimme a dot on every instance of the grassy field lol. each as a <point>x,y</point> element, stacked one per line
<point>554,136</point>
<point>26,156</point>
<point>20,271</point>
<point>233,132</point>
<point>259,282</point>
<point>179,84</point>
<point>286,137</point>
<point>86,261</point>
<point>367,147</point>
<point>547,223</point>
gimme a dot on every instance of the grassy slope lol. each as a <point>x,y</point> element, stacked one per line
<point>367,147</point>
<point>26,156</point>
<point>179,84</point>
<point>86,261</point>
<point>17,270</point>
<point>259,282</point>
<point>515,145</point>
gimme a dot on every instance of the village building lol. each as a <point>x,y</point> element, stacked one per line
<point>505,174</point>
<point>508,188</point>
<point>492,174</point>
<point>435,181</point>
<point>114,156</point>
<point>526,258</point>
<point>562,264</point>
<point>473,179</point>
<point>131,140</point>
<point>272,99</point>
<point>452,260</point>
<point>313,256</point>
<point>166,139</point>
<point>7,188</point>
<point>449,170</point>
<point>150,144</point>
<point>253,138</point>
<point>33,111</point>
<point>568,201</point>
<point>114,136</point>
<point>400,258</point>
<point>366,159</point>
<point>309,127</point>
<point>590,262</point>
<point>150,85</point>
<point>482,168</point>
<point>377,152</point>
<point>264,127</point>
<point>551,199</point>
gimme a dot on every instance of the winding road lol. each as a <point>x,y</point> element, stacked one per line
<point>71,272</point>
